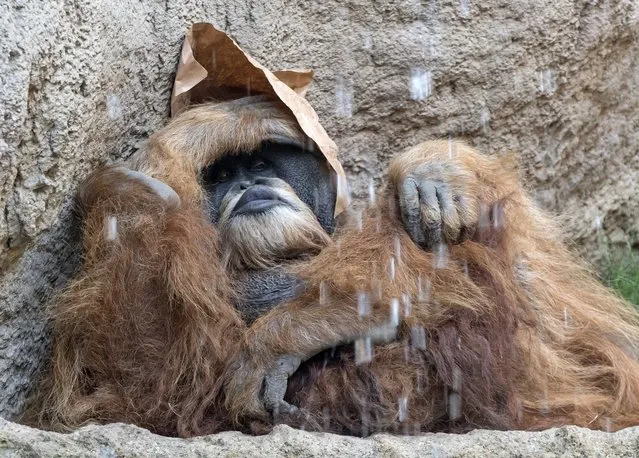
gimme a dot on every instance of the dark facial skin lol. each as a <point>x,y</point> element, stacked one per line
<point>307,173</point>
<point>311,179</point>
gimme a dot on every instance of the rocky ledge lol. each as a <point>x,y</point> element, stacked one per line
<point>120,440</point>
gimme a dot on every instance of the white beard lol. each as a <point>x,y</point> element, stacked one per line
<point>262,240</point>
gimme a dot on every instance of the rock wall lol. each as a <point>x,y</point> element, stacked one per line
<point>85,82</point>
<point>118,440</point>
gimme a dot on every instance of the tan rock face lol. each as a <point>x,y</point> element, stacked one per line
<point>125,440</point>
<point>84,82</point>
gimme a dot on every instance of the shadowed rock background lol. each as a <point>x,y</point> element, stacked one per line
<point>85,82</point>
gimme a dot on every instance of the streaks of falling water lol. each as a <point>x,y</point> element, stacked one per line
<point>484,120</point>
<point>547,83</point>
<point>372,194</point>
<point>391,268</point>
<point>408,306</point>
<point>394,312</point>
<point>464,8</point>
<point>498,215</point>
<point>441,256</point>
<point>597,223</point>
<point>423,289</point>
<point>343,98</point>
<point>402,408</point>
<point>114,106</point>
<point>418,338</point>
<point>454,406</point>
<point>421,82</point>
<point>363,350</point>
<point>111,228</point>
<point>398,249</point>
<point>323,293</point>
<point>344,189</point>
<point>363,303</point>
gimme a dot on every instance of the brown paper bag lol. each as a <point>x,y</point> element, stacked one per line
<point>213,66</point>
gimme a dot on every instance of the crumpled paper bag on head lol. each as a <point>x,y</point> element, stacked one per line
<point>213,67</point>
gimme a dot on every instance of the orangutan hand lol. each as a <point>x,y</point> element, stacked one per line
<point>255,389</point>
<point>434,208</point>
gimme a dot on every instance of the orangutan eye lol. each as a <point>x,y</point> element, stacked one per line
<point>258,166</point>
<point>222,176</point>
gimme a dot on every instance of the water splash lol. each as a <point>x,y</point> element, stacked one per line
<point>114,107</point>
<point>343,98</point>
<point>111,228</point>
<point>363,350</point>
<point>402,408</point>
<point>421,83</point>
<point>363,304</point>
<point>547,83</point>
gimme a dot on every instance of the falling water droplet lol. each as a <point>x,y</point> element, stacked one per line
<point>484,120</point>
<point>391,268</point>
<point>408,306</point>
<point>441,256</point>
<point>114,106</point>
<point>609,424</point>
<point>498,215</point>
<point>566,318</point>
<point>402,404</point>
<point>466,268</point>
<point>111,228</point>
<point>457,379</point>
<point>547,83</point>
<point>394,312</point>
<point>450,147</point>
<point>398,249</point>
<point>359,220</point>
<point>323,293</point>
<point>454,406</point>
<point>363,304</point>
<point>418,338</point>
<point>420,84</point>
<point>464,8</point>
<point>343,98</point>
<point>597,223</point>
<point>344,189</point>
<point>423,289</point>
<point>363,350</point>
<point>372,194</point>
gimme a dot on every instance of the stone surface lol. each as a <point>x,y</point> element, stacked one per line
<point>119,440</point>
<point>85,82</point>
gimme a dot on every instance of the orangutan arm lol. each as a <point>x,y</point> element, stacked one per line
<point>145,328</point>
<point>440,199</point>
